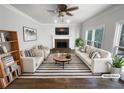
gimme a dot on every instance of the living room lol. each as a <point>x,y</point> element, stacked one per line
<point>101,28</point>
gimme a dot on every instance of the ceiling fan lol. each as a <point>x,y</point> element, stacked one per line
<point>62,10</point>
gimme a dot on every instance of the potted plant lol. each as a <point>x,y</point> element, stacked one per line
<point>79,42</point>
<point>117,64</point>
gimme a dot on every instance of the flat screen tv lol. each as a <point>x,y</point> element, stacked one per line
<point>62,31</point>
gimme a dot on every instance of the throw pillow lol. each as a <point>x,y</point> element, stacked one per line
<point>46,48</point>
<point>91,53</point>
<point>86,49</point>
<point>81,49</point>
<point>96,55</point>
<point>39,53</point>
<point>29,53</point>
<point>26,53</point>
<point>40,46</point>
<point>22,53</point>
<point>33,53</point>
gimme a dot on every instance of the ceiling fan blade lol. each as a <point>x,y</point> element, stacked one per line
<point>69,14</point>
<point>72,8</point>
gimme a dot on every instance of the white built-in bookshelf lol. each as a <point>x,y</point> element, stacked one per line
<point>10,63</point>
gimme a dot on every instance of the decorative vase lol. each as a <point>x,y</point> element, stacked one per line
<point>68,56</point>
<point>115,71</point>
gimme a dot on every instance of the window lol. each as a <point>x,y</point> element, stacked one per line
<point>121,43</point>
<point>98,38</point>
<point>94,37</point>
<point>89,37</point>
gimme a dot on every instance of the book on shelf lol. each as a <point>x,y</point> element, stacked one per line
<point>10,78</point>
<point>2,37</point>
<point>12,68</point>
<point>19,70</point>
<point>3,49</point>
<point>7,70</point>
<point>7,59</point>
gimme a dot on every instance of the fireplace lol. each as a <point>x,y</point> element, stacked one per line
<point>61,43</point>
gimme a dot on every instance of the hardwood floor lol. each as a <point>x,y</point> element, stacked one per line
<point>66,83</point>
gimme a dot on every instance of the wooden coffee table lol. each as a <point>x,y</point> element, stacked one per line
<point>61,57</point>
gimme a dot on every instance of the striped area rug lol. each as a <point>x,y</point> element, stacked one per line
<point>75,69</point>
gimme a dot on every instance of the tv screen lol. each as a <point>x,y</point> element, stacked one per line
<point>62,31</point>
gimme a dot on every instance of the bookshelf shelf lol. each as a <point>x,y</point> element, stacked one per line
<point>10,52</point>
<point>10,63</point>
<point>9,41</point>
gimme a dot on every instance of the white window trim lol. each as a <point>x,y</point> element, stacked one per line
<point>117,37</point>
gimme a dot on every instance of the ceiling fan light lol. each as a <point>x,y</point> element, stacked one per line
<point>62,13</point>
<point>55,21</point>
<point>68,21</point>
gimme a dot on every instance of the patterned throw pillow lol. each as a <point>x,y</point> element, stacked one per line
<point>40,46</point>
<point>96,55</point>
<point>91,53</point>
<point>29,53</point>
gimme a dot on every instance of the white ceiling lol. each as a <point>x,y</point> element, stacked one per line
<point>39,11</point>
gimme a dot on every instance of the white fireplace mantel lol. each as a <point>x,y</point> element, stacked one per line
<point>60,37</point>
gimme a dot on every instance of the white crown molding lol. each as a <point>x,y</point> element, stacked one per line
<point>10,7</point>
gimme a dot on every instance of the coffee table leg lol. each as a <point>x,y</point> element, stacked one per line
<point>63,65</point>
<point>55,62</point>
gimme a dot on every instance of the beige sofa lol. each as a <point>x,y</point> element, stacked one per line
<point>31,63</point>
<point>97,65</point>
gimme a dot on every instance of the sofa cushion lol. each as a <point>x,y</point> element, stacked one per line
<point>86,58</point>
<point>87,49</point>
<point>38,52</point>
<point>38,60</point>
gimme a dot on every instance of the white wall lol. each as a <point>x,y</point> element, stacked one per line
<point>48,31</point>
<point>109,18</point>
<point>12,19</point>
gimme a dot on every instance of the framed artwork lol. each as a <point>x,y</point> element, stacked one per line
<point>29,34</point>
